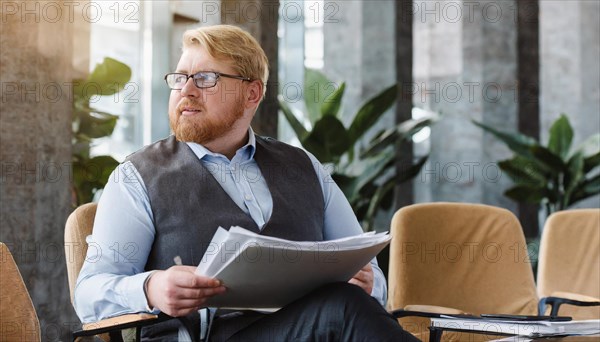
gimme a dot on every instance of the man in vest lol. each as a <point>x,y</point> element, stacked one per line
<point>168,199</point>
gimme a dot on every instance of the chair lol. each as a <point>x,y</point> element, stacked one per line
<point>78,227</point>
<point>458,258</point>
<point>569,263</point>
<point>18,319</point>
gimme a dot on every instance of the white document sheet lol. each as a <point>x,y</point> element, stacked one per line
<point>263,272</point>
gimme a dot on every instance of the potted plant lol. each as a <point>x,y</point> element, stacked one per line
<point>91,173</point>
<point>556,175</point>
<point>366,174</point>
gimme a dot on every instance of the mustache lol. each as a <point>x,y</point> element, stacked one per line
<point>187,103</point>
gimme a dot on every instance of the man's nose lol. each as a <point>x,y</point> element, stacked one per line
<point>189,89</point>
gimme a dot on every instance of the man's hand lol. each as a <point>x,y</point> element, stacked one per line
<point>364,279</point>
<point>179,291</point>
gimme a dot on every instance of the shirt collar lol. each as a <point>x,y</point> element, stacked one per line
<point>245,152</point>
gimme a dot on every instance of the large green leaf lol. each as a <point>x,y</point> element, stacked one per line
<point>573,176</point>
<point>297,126</point>
<point>317,87</point>
<point>332,103</point>
<point>89,175</point>
<point>383,196</point>
<point>382,192</point>
<point>412,171</point>
<point>591,162</point>
<point>371,111</point>
<point>97,125</point>
<point>574,172</point>
<point>103,166</point>
<point>523,171</point>
<point>518,143</point>
<point>107,78</point>
<point>551,160</point>
<point>390,136</point>
<point>561,136</point>
<point>367,172</point>
<point>585,189</point>
<point>328,140</point>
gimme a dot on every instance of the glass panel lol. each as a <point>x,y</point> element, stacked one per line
<point>119,19</point>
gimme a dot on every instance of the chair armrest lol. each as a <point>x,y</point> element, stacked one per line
<point>435,309</point>
<point>575,296</point>
<point>117,323</point>
<point>559,298</point>
<point>426,311</point>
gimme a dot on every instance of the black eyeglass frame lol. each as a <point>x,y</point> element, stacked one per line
<point>218,75</point>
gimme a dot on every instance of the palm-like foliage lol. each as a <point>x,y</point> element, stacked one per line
<point>557,175</point>
<point>367,176</point>
<point>91,173</point>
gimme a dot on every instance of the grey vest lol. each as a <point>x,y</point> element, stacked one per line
<point>189,205</point>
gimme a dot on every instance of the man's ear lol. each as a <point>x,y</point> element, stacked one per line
<point>254,94</point>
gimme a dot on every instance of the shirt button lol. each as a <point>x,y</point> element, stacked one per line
<point>248,198</point>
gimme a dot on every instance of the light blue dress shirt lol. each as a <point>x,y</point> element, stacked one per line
<point>112,278</point>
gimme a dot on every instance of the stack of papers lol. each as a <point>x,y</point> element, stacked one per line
<point>267,273</point>
<point>533,328</point>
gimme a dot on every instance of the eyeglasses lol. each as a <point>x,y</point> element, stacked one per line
<point>202,79</point>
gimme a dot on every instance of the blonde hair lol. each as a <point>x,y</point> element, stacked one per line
<point>234,45</point>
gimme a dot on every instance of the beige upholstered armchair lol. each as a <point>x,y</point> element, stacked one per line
<point>79,226</point>
<point>18,318</point>
<point>569,264</point>
<point>457,258</point>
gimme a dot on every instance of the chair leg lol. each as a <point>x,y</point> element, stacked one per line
<point>115,336</point>
<point>435,334</point>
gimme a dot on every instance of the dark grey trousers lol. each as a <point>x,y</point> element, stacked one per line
<point>335,312</point>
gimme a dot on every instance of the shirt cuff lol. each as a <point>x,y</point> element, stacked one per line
<point>379,291</point>
<point>136,294</point>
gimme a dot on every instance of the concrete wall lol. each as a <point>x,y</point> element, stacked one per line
<point>570,69</point>
<point>465,67</point>
<point>36,49</point>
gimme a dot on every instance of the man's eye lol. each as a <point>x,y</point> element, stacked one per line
<point>201,77</point>
<point>180,78</point>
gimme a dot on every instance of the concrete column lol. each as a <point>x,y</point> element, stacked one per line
<point>260,18</point>
<point>360,50</point>
<point>404,193</point>
<point>570,68</point>
<point>528,73</point>
<point>36,47</point>
<point>465,68</point>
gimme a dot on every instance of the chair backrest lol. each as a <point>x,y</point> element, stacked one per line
<point>569,259</point>
<point>79,225</point>
<point>469,257</point>
<point>18,319</point>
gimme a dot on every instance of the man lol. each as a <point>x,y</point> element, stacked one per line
<point>168,199</point>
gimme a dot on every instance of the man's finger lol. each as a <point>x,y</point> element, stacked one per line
<point>193,281</point>
<point>192,293</point>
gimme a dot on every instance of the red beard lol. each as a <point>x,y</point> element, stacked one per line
<point>202,127</point>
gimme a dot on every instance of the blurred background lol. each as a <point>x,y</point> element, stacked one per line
<point>512,66</point>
